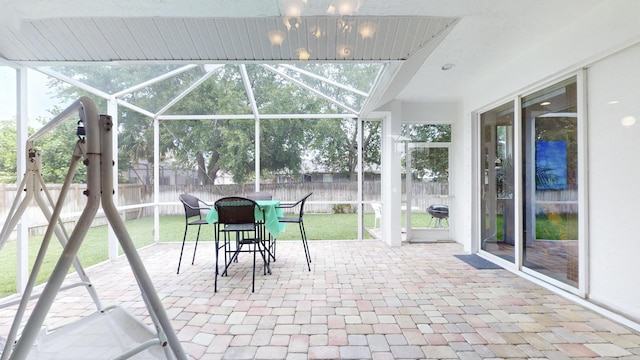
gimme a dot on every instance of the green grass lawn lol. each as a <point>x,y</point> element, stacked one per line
<point>94,246</point>
<point>550,227</point>
<point>318,226</point>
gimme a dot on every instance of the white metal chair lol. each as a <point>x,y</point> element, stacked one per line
<point>377,211</point>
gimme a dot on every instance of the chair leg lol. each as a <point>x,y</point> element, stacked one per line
<point>271,247</point>
<point>305,244</point>
<point>184,239</point>
<point>217,241</point>
<point>253,278</point>
<point>196,247</point>
<point>266,259</point>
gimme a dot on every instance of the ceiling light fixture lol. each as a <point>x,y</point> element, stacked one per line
<point>344,51</point>
<point>276,37</point>
<point>303,54</point>
<point>293,7</point>
<point>344,7</point>
<point>316,31</point>
<point>291,22</point>
<point>447,66</point>
<point>345,24</point>
<point>628,120</point>
<point>367,30</point>
<point>545,103</point>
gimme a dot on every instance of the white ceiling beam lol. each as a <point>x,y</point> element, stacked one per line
<point>256,115</point>
<point>383,79</point>
<point>249,90</point>
<point>325,79</point>
<point>74,82</point>
<point>303,85</point>
<point>188,90</point>
<point>156,79</point>
<point>251,117</point>
<point>135,108</point>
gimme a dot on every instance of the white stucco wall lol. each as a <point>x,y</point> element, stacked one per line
<point>600,40</point>
<point>614,174</point>
<point>614,182</point>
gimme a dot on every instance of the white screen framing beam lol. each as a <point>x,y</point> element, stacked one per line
<point>256,116</point>
<point>309,88</point>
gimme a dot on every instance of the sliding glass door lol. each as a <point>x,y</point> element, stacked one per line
<point>529,203</point>
<point>550,191</point>
<point>497,201</point>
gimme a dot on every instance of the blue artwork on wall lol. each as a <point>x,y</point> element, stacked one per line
<point>551,165</point>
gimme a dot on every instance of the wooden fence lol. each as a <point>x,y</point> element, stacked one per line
<point>327,198</point>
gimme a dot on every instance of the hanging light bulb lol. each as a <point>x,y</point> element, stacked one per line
<point>291,22</point>
<point>293,7</point>
<point>331,10</point>
<point>344,51</point>
<point>345,7</point>
<point>345,24</point>
<point>303,54</point>
<point>276,37</point>
<point>316,31</point>
<point>367,30</point>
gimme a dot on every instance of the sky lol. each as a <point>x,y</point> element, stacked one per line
<point>38,99</point>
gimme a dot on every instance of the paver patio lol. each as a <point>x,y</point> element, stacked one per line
<point>361,300</point>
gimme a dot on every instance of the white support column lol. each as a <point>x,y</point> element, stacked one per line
<point>112,242</point>
<point>391,223</point>
<point>360,172</point>
<point>22,229</point>
<point>257,150</point>
<point>256,115</point>
<point>156,179</point>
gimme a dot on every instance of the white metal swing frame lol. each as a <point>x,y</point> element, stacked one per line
<point>111,329</point>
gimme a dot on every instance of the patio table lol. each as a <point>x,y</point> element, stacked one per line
<point>272,212</point>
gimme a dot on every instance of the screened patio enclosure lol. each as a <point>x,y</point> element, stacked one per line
<point>178,113</point>
<point>458,63</point>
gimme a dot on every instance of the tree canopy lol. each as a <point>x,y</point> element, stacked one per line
<point>214,147</point>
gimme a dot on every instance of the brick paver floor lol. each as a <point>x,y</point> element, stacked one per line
<point>361,300</point>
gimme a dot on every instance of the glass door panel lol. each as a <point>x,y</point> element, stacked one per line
<point>497,176</point>
<point>425,182</point>
<point>426,208</point>
<point>550,189</point>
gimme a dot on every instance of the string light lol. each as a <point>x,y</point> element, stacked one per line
<point>344,51</point>
<point>367,30</point>
<point>303,54</point>
<point>276,37</point>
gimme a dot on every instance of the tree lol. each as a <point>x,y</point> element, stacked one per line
<point>56,149</point>
<point>434,163</point>
<point>227,145</point>
<point>135,130</point>
<point>335,141</point>
<point>8,163</point>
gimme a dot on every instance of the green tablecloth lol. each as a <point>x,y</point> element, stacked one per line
<point>271,212</point>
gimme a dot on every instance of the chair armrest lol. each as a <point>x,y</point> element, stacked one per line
<point>199,207</point>
<point>286,205</point>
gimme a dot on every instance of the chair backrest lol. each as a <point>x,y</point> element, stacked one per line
<point>236,210</point>
<point>259,195</point>
<point>377,208</point>
<point>191,205</point>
